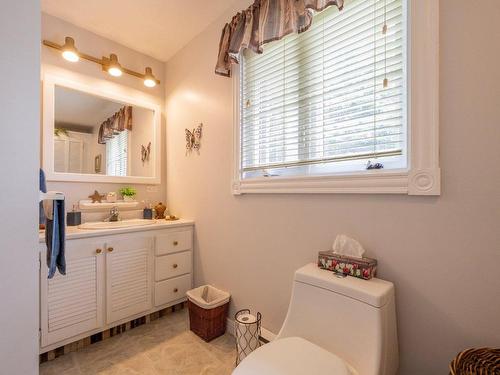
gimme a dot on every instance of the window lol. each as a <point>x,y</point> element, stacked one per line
<point>316,103</point>
<point>116,154</point>
<point>315,108</point>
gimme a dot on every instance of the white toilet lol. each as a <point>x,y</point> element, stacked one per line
<point>334,326</point>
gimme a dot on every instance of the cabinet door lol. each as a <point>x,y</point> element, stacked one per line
<point>72,304</point>
<point>129,265</point>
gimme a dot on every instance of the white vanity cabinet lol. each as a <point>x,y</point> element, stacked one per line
<point>114,278</point>
<point>129,271</point>
<point>72,304</point>
<point>173,265</point>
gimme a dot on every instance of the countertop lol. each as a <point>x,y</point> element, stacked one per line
<point>75,232</point>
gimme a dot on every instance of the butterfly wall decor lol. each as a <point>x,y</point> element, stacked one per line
<point>145,152</point>
<point>193,139</point>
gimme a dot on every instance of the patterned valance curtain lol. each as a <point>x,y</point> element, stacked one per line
<point>120,121</point>
<point>263,22</point>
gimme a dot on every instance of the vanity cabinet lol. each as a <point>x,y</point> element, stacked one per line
<point>129,270</point>
<point>72,304</point>
<point>173,265</point>
<point>112,279</point>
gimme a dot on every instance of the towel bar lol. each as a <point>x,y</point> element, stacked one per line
<point>54,196</point>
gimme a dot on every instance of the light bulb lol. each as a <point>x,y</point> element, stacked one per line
<point>69,51</point>
<point>70,56</point>
<point>114,68</point>
<point>115,72</point>
<point>149,79</point>
<point>149,83</point>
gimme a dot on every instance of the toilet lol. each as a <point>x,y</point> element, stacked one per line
<point>334,326</point>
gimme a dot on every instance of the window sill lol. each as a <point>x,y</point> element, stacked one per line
<point>420,182</point>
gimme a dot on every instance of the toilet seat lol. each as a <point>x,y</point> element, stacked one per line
<point>292,356</point>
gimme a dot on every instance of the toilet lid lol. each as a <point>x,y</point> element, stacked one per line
<point>291,356</point>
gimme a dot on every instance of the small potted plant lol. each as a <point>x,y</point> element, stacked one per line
<point>128,193</point>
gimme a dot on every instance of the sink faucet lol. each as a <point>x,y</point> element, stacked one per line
<point>114,215</point>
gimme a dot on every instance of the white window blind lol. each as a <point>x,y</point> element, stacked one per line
<point>116,154</point>
<point>316,102</point>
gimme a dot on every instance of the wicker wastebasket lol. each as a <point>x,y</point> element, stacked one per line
<point>483,361</point>
<point>208,308</point>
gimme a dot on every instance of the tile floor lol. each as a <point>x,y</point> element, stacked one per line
<point>165,346</point>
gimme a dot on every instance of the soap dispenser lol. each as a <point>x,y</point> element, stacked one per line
<point>148,211</point>
<point>74,217</point>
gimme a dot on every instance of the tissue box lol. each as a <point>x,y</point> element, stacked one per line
<point>364,268</point>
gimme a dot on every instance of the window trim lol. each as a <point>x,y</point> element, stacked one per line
<point>422,177</point>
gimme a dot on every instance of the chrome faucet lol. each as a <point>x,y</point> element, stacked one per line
<point>114,215</point>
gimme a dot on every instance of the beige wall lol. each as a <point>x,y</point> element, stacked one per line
<point>442,253</point>
<point>19,151</point>
<point>55,30</point>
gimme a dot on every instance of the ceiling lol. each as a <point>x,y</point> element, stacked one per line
<point>158,28</point>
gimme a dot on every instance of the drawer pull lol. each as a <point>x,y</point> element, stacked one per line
<point>98,251</point>
<point>110,249</point>
<point>176,290</point>
<point>175,265</point>
<point>176,243</point>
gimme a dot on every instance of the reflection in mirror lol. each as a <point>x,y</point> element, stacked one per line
<point>95,135</point>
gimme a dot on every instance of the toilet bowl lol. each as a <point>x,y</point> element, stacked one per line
<point>334,326</point>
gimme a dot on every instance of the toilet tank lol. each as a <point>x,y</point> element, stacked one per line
<point>350,317</point>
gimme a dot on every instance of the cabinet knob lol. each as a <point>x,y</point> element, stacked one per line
<point>98,251</point>
<point>176,290</point>
<point>175,265</point>
<point>176,243</point>
<point>110,249</point>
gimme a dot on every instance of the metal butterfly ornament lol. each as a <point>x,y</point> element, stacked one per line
<point>145,152</point>
<point>193,139</point>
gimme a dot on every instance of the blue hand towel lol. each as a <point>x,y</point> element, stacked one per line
<point>55,237</point>
<point>43,189</point>
<point>55,232</point>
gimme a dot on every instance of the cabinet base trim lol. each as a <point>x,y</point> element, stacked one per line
<point>110,332</point>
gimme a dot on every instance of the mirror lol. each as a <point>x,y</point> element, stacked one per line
<point>98,138</point>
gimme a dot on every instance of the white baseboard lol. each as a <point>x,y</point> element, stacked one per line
<point>264,333</point>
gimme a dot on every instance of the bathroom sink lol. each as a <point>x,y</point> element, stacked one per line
<point>116,224</point>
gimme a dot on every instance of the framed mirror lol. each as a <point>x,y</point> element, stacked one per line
<point>95,133</point>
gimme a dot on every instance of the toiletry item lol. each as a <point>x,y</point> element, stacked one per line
<point>111,197</point>
<point>363,268</point>
<point>160,209</point>
<point>147,213</point>
<point>348,247</point>
<point>347,258</point>
<point>74,217</point>
<point>247,332</point>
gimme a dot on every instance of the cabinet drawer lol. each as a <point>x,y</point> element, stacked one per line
<point>174,242</point>
<point>172,289</point>
<point>172,265</point>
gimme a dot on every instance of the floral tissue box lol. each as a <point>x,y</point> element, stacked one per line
<point>364,268</point>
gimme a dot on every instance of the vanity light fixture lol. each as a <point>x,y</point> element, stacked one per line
<point>113,66</point>
<point>149,78</point>
<point>69,51</point>
<point>109,64</point>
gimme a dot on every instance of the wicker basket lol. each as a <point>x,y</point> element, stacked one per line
<point>208,323</point>
<point>484,361</point>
